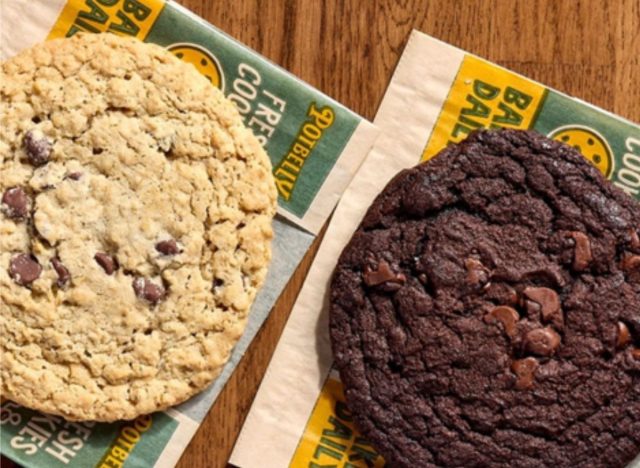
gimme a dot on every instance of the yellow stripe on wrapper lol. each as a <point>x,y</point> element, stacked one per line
<point>484,95</point>
<point>330,438</point>
<point>124,17</point>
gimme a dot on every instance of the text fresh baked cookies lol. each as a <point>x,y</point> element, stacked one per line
<point>486,313</point>
<point>135,228</point>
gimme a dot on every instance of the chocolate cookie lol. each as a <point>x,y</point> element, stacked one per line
<point>135,228</point>
<point>486,313</point>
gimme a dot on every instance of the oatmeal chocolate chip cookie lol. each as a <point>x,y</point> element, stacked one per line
<point>487,311</point>
<point>135,227</point>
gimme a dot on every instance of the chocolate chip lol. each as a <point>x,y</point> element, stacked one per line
<point>548,302</point>
<point>542,341</point>
<point>422,277</point>
<point>582,255</point>
<point>505,315</point>
<point>551,275</point>
<point>15,203</point>
<point>525,370</point>
<point>624,336</point>
<point>168,247</point>
<point>502,293</point>
<point>148,290</point>
<point>382,274</point>
<point>38,147</point>
<point>74,175</point>
<point>63,273</point>
<point>477,273</point>
<point>635,239</point>
<point>24,269</point>
<point>107,262</point>
<point>630,263</point>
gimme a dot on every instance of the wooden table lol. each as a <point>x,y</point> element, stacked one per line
<point>349,49</point>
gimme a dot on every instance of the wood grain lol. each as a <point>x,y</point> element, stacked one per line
<point>349,49</point>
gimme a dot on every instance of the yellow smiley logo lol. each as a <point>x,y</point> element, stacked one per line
<point>202,59</point>
<point>589,143</point>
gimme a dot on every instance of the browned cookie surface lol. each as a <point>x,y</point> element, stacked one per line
<point>135,227</point>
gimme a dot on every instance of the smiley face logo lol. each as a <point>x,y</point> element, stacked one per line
<point>202,59</point>
<point>589,143</point>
